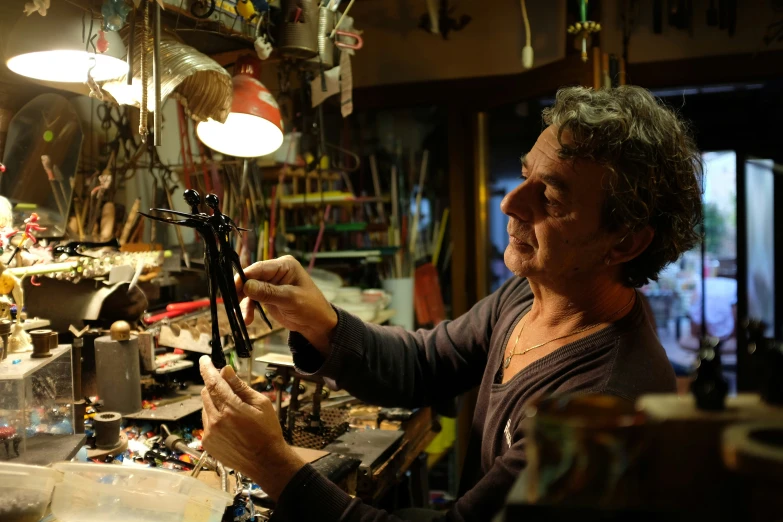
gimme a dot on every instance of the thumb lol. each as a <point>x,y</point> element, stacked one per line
<point>265,292</point>
<point>240,388</point>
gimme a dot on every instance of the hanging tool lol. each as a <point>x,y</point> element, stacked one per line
<point>377,187</point>
<point>156,78</point>
<point>131,41</point>
<point>184,148</point>
<point>445,23</point>
<point>56,181</point>
<point>167,189</point>
<point>584,29</point>
<point>342,17</point>
<point>144,59</point>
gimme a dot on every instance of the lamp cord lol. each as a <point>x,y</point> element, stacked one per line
<point>527,24</point>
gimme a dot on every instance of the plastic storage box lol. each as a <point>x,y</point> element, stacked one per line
<point>25,491</point>
<point>36,402</point>
<point>101,492</point>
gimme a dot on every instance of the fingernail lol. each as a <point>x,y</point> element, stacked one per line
<point>204,359</point>
<point>252,287</point>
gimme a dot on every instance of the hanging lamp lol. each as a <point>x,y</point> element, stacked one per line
<point>53,47</point>
<point>253,127</point>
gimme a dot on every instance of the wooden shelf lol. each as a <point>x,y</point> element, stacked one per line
<point>354,254</point>
<point>314,200</point>
<point>210,36</point>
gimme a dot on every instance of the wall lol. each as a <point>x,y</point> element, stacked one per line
<point>396,50</point>
<point>753,16</point>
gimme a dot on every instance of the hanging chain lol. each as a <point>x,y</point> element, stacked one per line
<point>145,31</point>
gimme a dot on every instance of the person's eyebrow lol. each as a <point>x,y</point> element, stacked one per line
<point>557,183</point>
<point>553,180</point>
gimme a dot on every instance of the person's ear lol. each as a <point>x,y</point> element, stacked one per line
<point>630,246</point>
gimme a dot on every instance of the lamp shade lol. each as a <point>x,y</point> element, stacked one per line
<point>51,47</point>
<point>253,127</point>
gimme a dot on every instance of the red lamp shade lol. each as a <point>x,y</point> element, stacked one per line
<point>253,127</point>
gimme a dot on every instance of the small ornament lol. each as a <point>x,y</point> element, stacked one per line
<point>102,45</point>
<point>114,12</point>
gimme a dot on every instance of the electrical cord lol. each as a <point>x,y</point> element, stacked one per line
<point>527,51</point>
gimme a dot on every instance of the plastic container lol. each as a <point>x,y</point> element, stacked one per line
<point>101,492</point>
<point>25,492</point>
<point>36,402</point>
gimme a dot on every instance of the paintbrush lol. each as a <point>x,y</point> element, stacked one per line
<point>419,192</point>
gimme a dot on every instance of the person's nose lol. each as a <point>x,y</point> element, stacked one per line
<point>517,203</point>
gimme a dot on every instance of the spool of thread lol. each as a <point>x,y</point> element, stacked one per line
<point>5,332</point>
<point>118,370</point>
<point>107,429</point>
<point>42,341</point>
<point>54,340</point>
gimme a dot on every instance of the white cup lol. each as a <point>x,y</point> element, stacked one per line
<point>349,294</point>
<point>376,296</point>
<point>401,291</point>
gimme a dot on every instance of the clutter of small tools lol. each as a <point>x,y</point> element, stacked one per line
<point>102,322</point>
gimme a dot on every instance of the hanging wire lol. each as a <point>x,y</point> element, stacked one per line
<point>357,159</point>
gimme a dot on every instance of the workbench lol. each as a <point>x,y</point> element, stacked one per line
<point>418,433</point>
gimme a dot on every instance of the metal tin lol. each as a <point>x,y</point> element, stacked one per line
<point>119,374</point>
<point>325,44</point>
<point>299,34</point>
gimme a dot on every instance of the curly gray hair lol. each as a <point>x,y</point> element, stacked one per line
<point>654,168</point>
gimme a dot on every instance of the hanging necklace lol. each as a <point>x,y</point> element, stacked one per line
<point>507,362</point>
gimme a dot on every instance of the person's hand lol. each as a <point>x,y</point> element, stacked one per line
<point>241,430</point>
<point>290,296</point>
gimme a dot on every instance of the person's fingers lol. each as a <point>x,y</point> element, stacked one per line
<point>238,386</point>
<point>238,284</point>
<point>209,411</point>
<point>218,389</point>
<point>248,311</point>
<point>242,390</point>
<point>265,292</point>
<point>281,270</point>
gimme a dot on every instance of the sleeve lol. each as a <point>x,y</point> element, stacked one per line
<point>311,496</point>
<point>389,366</point>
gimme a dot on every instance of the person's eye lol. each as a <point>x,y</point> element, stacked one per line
<point>523,177</point>
<point>553,206</point>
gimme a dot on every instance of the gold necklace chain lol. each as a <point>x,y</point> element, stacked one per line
<point>523,352</point>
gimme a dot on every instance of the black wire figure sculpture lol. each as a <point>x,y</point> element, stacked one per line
<point>220,260</point>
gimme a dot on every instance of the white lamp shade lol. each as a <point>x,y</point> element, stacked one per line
<point>242,135</point>
<point>51,48</point>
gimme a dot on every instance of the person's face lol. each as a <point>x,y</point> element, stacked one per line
<point>555,216</point>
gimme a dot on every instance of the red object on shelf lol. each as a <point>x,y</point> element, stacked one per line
<point>427,297</point>
<point>177,309</point>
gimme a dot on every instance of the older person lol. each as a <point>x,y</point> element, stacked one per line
<point>608,196</point>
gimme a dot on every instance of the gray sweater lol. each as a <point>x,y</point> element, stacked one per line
<point>392,367</point>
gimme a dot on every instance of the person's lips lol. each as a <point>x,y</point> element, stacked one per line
<point>518,242</point>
